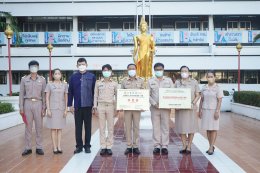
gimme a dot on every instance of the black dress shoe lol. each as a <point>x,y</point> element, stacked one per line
<point>26,152</point>
<point>136,151</point>
<point>128,151</point>
<point>39,152</point>
<point>103,152</point>
<point>164,151</point>
<point>188,151</point>
<point>87,150</point>
<point>109,152</point>
<point>78,150</point>
<point>156,151</point>
<point>60,151</point>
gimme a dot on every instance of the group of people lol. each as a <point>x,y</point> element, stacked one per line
<point>85,96</point>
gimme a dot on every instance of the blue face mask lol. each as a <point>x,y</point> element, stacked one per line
<point>106,74</point>
<point>159,73</point>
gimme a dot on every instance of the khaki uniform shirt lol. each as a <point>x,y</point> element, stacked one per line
<point>210,96</point>
<point>154,84</point>
<point>32,89</point>
<point>136,83</point>
<point>105,92</point>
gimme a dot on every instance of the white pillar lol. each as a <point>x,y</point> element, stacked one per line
<point>75,37</point>
<point>211,34</point>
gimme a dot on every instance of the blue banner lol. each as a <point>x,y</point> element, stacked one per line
<point>163,37</point>
<point>93,37</point>
<point>26,38</point>
<point>193,37</point>
<point>123,37</point>
<point>2,38</point>
<point>252,35</point>
<point>228,36</point>
<point>58,37</point>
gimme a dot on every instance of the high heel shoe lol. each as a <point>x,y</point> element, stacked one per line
<point>55,152</point>
<point>182,151</point>
<point>188,151</point>
<point>60,151</point>
<point>213,150</point>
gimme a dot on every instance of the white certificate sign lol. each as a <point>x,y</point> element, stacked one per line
<point>179,98</point>
<point>133,99</point>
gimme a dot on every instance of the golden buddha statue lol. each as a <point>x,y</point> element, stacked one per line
<point>144,47</point>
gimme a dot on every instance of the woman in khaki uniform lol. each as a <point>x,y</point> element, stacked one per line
<point>186,120</point>
<point>209,112</point>
<point>56,101</point>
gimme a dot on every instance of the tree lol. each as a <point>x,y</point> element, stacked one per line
<point>256,37</point>
<point>7,19</point>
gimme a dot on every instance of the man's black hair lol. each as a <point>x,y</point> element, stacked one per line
<point>81,60</point>
<point>33,62</point>
<point>158,64</point>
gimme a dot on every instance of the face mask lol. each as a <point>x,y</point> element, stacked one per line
<point>131,73</point>
<point>184,75</point>
<point>33,69</point>
<point>159,73</point>
<point>57,76</point>
<point>106,74</point>
<point>82,68</point>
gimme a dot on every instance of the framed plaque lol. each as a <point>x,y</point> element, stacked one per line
<point>179,98</point>
<point>133,99</point>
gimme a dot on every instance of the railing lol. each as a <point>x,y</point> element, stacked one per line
<point>126,37</point>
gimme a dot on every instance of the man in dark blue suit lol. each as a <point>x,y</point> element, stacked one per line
<point>81,90</point>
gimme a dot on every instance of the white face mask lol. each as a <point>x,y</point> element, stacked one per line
<point>184,75</point>
<point>34,69</point>
<point>82,68</point>
<point>131,73</point>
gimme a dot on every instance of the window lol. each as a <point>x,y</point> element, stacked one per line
<point>205,26</point>
<point>251,77</point>
<point>3,77</point>
<point>65,26</point>
<point>182,25</point>
<point>102,26</point>
<point>232,25</point>
<point>128,26</point>
<point>245,25</point>
<point>194,26</point>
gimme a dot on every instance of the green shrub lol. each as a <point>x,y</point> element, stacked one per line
<point>226,93</point>
<point>6,108</point>
<point>14,94</point>
<point>251,98</point>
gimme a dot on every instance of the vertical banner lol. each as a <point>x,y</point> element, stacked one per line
<point>123,37</point>
<point>163,37</point>
<point>2,38</point>
<point>58,37</point>
<point>26,38</point>
<point>193,37</point>
<point>228,36</point>
<point>93,38</point>
<point>252,35</point>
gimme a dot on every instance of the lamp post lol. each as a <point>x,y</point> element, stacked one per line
<point>9,33</point>
<point>50,47</point>
<point>239,47</point>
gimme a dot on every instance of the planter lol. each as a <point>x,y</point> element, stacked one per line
<point>10,119</point>
<point>14,100</point>
<point>246,110</point>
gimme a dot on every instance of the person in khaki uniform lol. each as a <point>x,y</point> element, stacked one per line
<point>32,105</point>
<point>132,118</point>
<point>186,120</point>
<point>160,117</point>
<point>104,107</point>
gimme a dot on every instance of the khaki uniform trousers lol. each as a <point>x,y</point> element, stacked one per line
<point>106,113</point>
<point>160,121</point>
<point>33,112</point>
<point>132,124</point>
